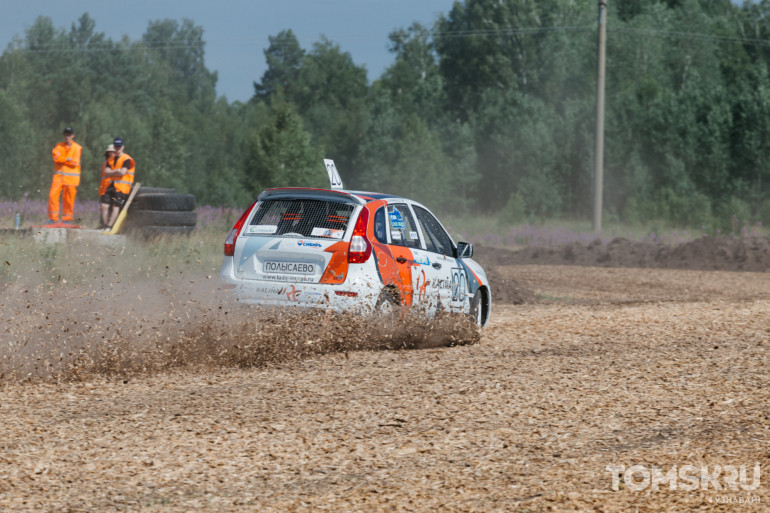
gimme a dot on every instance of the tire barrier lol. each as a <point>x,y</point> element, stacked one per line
<point>164,201</point>
<point>158,211</point>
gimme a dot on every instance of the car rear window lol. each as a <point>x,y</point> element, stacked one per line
<point>301,218</point>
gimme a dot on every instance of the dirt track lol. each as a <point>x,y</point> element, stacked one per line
<point>608,367</point>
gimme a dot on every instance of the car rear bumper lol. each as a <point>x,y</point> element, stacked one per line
<point>356,295</point>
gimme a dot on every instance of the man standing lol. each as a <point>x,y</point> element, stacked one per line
<point>105,182</point>
<point>66,178</point>
<point>120,174</point>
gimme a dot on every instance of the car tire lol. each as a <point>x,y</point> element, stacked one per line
<point>476,312</point>
<point>157,211</point>
<point>149,232</point>
<point>388,301</point>
<point>141,218</point>
<point>154,190</point>
<point>163,201</point>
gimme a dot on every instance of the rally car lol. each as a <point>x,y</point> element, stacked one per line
<point>351,251</point>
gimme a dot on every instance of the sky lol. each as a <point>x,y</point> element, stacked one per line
<point>236,31</point>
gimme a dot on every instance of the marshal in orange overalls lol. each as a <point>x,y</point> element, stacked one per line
<point>66,178</point>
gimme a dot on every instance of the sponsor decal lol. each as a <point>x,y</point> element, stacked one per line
<point>304,244</point>
<point>396,221</point>
<point>262,228</point>
<point>395,235</point>
<point>327,232</point>
<point>292,293</point>
<point>441,284</point>
<point>381,259</point>
<point>421,286</point>
<point>421,259</point>
<point>288,277</point>
<point>413,235</point>
<point>269,290</point>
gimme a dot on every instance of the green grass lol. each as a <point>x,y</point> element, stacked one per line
<point>488,230</point>
<point>41,264</point>
<point>200,254</point>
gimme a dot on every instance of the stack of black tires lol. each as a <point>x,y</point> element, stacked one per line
<point>156,211</point>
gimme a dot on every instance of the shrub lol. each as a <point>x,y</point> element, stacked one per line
<point>513,212</point>
<point>631,212</point>
<point>732,215</point>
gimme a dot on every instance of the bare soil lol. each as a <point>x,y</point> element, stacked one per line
<point>586,367</point>
<point>729,253</point>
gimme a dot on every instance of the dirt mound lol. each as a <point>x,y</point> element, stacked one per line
<point>504,288</point>
<point>507,289</point>
<point>706,253</point>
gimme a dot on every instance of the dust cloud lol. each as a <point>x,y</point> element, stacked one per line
<point>72,332</point>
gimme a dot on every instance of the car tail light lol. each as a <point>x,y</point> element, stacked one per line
<point>230,241</point>
<point>360,247</point>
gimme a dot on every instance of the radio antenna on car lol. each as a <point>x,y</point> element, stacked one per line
<point>334,177</point>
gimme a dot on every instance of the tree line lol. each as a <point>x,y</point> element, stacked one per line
<point>490,109</point>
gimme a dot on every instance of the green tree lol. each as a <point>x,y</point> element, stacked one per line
<point>330,95</point>
<point>182,48</point>
<point>17,164</point>
<point>284,58</point>
<point>413,79</point>
<point>420,165</point>
<point>283,154</point>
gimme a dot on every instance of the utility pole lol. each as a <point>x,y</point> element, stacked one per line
<point>599,156</point>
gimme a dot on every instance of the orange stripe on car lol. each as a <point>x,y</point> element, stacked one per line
<point>337,269</point>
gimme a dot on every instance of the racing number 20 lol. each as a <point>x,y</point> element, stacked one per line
<point>459,284</point>
<point>334,177</point>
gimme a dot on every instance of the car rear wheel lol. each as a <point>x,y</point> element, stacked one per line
<point>388,302</point>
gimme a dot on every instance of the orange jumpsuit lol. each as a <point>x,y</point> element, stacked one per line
<point>66,178</point>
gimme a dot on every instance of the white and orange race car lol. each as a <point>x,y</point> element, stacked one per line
<point>351,251</point>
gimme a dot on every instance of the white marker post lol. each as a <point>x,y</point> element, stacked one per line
<point>334,176</point>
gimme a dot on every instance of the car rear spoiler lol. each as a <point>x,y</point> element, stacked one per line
<point>307,193</point>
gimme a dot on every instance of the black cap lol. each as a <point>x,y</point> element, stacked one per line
<point>117,142</point>
<point>68,131</point>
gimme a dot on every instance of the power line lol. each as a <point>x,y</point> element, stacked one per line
<point>692,35</point>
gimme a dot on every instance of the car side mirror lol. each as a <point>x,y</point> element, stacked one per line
<point>464,250</point>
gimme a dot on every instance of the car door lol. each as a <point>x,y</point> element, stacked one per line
<point>404,243</point>
<point>439,261</point>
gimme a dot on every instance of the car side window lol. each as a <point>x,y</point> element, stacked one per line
<point>380,231</point>
<point>436,238</point>
<point>402,228</point>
